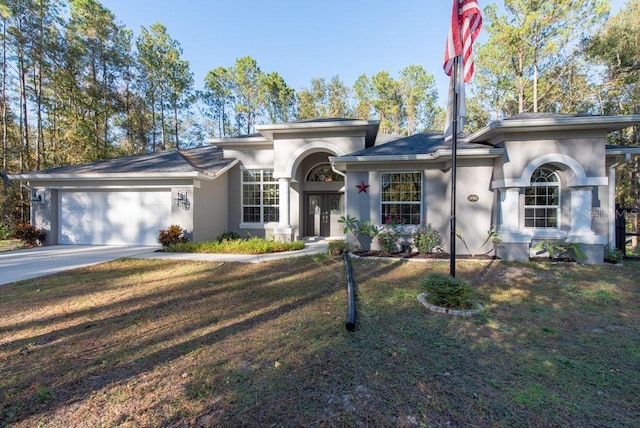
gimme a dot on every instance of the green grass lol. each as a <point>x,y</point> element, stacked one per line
<point>237,246</point>
<point>166,343</point>
<point>11,244</point>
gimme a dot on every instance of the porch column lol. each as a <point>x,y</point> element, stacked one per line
<point>513,245</point>
<point>581,199</point>
<point>509,209</point>
<point>284,232</point>
<point>592,245</point>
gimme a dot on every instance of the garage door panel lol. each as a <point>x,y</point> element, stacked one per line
<point>113,218</point>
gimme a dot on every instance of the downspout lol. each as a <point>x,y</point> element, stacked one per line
<point>346,202</point>
<point>612,199</point>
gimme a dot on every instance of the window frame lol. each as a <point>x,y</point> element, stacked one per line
<point>331,177</point>
<point>260,196</point>
<point>547,207</point>
<point>401,202</point>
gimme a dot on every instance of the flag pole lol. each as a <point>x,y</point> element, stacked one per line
<point>454,144</point>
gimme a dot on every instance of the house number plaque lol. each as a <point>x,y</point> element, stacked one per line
<point>473,198</point>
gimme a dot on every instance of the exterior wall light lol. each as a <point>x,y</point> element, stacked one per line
<point>182,200</point>
<point>36,197</point>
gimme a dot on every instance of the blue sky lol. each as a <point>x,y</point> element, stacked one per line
<point>303,39</point>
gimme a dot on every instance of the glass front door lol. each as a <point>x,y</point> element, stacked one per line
<point>322,213</point>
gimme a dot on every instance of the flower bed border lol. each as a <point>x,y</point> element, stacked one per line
<point>422,298</point>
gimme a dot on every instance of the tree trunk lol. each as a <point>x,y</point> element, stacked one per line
<point>535,87</point>
<point>175,124</point>
<point>24,122</point>
<point>5,128</point>
<point>37,88</point>
<point>520,81</point>
<point>105,123</point>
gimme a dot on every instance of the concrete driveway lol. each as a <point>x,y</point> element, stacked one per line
<point>41,261</point>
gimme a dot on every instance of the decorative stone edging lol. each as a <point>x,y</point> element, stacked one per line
<point>422,298</point>
<point>415,260</point>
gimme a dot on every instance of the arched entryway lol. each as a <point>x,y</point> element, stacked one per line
<point>321,196</point>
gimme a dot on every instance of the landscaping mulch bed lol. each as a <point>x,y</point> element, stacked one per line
<point>416,255</point>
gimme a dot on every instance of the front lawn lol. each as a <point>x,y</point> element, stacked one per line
<point>170,343</point>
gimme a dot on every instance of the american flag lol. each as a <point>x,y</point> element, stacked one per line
<point>466,21</point>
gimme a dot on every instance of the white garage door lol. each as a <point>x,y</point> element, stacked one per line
<point>113,217</point>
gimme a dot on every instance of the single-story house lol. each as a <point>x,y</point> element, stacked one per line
<point>531,177</point>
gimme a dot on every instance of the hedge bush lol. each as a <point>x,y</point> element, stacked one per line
<point>447,292</point>
<point>30,235</point>
<point>172,236</point>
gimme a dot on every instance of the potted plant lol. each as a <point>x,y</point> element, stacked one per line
<point>337,247</point>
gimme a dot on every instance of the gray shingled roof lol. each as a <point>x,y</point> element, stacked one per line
<point>206,160</point>
<point>545,115</point>
<point>418,144</point>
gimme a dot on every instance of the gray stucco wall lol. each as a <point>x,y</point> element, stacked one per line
<point>44,213</point>
<point>587,149</point>
<point>474,219</point>
<point>292,148</point>
<point>210,213</point>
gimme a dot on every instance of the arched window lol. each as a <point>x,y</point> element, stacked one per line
<point>542,200</point>
<point>323,173</point>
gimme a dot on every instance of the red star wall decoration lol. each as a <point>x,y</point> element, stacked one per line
<point>362,187</point>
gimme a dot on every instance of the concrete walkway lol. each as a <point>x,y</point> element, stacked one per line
<point>40,261</point>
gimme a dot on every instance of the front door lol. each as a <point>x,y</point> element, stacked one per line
<point>322,213</point>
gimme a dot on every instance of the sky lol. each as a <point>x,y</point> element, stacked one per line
<point>303,39</point>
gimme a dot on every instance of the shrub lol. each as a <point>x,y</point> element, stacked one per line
<point>613,255</point>
<point>426,239</point>
<point>562,251</point>
<point>228,236</point>
<point>337,247</point>
<point>239,246</point>
<point>492,235</point>
<point>389,236</point>
<point>6,232</point>
<point>350,224</point>
<point>30,235</point>
<point>172,236</point>
<point>358,227</point>
<point>447,292</point>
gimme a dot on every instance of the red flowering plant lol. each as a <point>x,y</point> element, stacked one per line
<point>426,239</point>
<point>391,233</point>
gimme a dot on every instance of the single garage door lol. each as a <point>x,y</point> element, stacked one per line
<point>113,217</point>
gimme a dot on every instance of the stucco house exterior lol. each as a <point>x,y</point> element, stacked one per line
<point>532,177</point>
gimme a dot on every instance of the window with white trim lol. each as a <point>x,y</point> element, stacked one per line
<point>542,200</point>
<point>401,196</point>
<point>260,196</point>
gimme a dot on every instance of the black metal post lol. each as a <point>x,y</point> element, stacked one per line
<point>454,144</point>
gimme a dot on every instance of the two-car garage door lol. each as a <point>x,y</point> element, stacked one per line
<point>112,217</point>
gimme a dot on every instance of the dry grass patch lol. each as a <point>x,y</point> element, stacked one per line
<point>11,244</point>
<point>166,343</point>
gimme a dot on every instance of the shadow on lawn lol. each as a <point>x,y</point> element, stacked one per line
<point>87,358</point>
<point>266,345</point>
